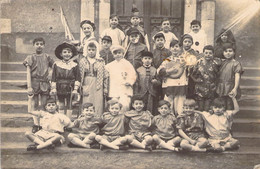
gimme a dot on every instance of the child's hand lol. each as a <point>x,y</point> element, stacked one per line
<point>193,142</point>
<point>53,92</point>
<point>233,93</point>
<point>154,81</point>
<point>74,92</point>
<point>30,91</point>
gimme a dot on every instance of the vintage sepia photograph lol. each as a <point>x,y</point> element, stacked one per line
<point>130,84</point>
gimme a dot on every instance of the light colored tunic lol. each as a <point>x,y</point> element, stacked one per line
<point>116,35</point>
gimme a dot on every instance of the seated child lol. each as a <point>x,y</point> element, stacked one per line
<point>114,32</point>
<point>199,36</point>
<point>135,48</point>
<point>114,129</point>
<point>146,84</point>
<point>105,52</point>
<point>191,128</point>
<point>165,134</point>
<point>139,124</point>
<point>218,125</point>
<point>85,127</point>
<point>205,75</point>
<point>122,77</point>
<point>174,79</point>
<point>160,52</point>
<point>52,123</point>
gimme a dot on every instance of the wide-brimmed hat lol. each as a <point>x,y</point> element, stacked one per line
<point>117,47</point>
<point>88,22</point>
<point>64,45</point>
<point>132,31</point>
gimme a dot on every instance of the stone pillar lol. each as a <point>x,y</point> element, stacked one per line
<point>190,10</point>
<point>87,13</point>
<point>208,19</point>
<point>104,13</point>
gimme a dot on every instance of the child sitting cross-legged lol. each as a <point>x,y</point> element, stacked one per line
<point>52,123</point>
<point>218,125</point>
<point>85,128</point>
<point>114,128</point>
<point>139,124</point>
<point>191,128</point>
<point>165,134</point>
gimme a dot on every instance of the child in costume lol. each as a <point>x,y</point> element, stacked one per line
<point>39,64</point>
<point>140,122</point>
<point>174,79</point>
<point>88,29</point>
<point>147,83</point>
<point>94,78</point>
<point>135,23</point>
<point>85,127</point>
<point>165,133</point>
<point>65,77</point>
<point>218,125</point>
<point>191,128</point>
<point>52,123</point>
<point>199,36</point>
<point>229,77</point>
<point>135,48</point>
<point>122,77</point>
<point>160,52</point>
<point>224,37</point>
<point>105,52</point>
<point>114,32</point>
<point>114,129</point>
<point>166,30</point>
<point>205,75</point>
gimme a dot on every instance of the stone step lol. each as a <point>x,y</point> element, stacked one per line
<point>250,81</point>
<point>246,125</point>
<point>13,75</point>
<point>13,84</point>
<point>251,71</point>
<point>11,95</point>
<point>12,66</point>
<point>248,112</point>
<point>250,90</point>
<point>249,100</point>
<point>14,106</point>
<point>17,134</point>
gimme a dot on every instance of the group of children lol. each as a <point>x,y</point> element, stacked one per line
<point>174,97</point>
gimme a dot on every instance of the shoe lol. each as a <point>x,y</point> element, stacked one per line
<point>101,147</point>
<point>123,147</point>
<point>51,147</point>
<point>94,146</point>
<point>213,150</point>
<point>149,148</point>
<point>32,147</point>
<point>35,128</point>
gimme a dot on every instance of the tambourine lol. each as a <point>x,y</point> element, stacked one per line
<point>175,69</point>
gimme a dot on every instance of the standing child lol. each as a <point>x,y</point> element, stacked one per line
<point>94,78</point>
<point>147,84</point>
<point>65,77</point>
<point>52,123</point>
<point>88,29</point>
<point>160,52</point>
<point>229,77</point>
<point>135,48</point>
<point>85,127</point>
<point>166,30</point>
<point>218,125</point>
<point>39,64</point>
<point>199,36</point>
<point>205,76</point>
<point>105,52</point>
<point>139,124</point>
<point>135,23</point>
<point>122,77</point>
<point>165,134</point>
<point>174,80</point>
<point>114,32</point>
<point>114,129</point>
<point>191,128</point>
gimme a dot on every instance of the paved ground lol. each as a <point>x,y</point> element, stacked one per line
<point>124,160</point>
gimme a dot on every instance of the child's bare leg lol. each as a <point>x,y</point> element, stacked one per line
<point>104,142</point>
<point>61,107</point>
<point>185,144</point>
<point>34,105</point>
<point>207,105</point>
<point>171,101</point>
<point>175,141</point>
<point>134,142</point>
<point>232,144</point>
<point>217,147</point>
<point>89,138</point>
<point>49,142</point>
<point>147,140</point>
<point>33,138</point>
<point>120,141</point>
<point>43,100</point>
<point>202,142</point>
<point>77,141</point>
<point>163,144</point>
<point>180,101</point>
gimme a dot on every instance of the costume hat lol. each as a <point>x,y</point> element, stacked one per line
<point>147,54</point>
<point>117,47</point>
<point>88,22</point>
<point>108,38</point>
<point>62,46</point>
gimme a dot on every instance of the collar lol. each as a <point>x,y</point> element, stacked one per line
<point>66,65</point>
<point>147,67</point>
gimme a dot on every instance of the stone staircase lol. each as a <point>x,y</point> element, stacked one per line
<point>15,120</point>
